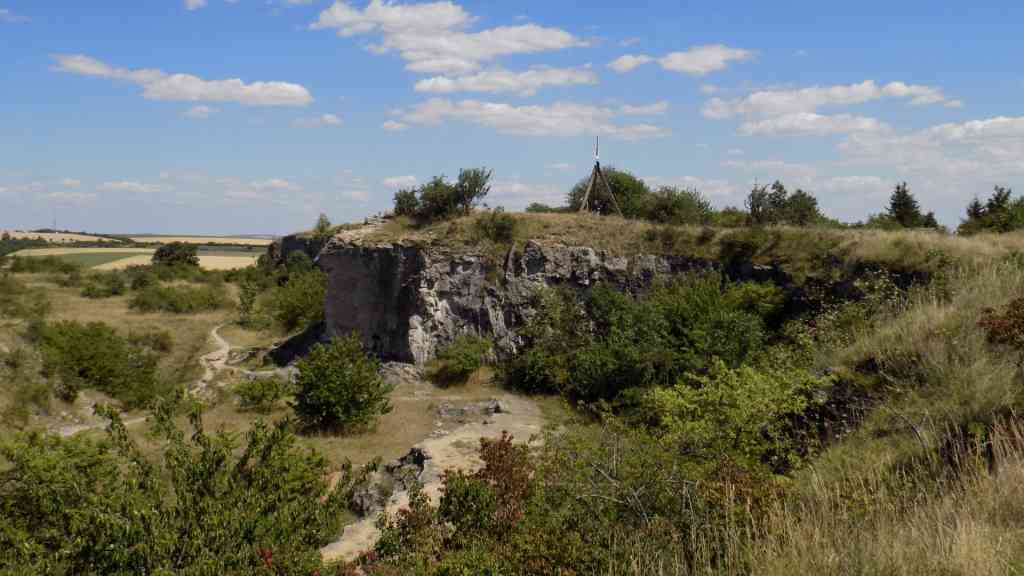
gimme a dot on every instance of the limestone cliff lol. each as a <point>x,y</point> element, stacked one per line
<point>407,301</point>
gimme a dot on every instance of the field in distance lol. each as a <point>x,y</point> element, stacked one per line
<point>235,240</point>
<point>120,258</point>
<point>56,237</point>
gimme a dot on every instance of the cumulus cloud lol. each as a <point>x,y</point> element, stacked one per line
<point>398,182</point>
<point>393,126</point>
<point>809,123</point>
<point>501,80</point>
<point>780,102</point>
<point>9,17</point>
<point>356,195</point>
<point>201,112</point>
<point>711,187</point>
<point>317,121</point>
<point>655,109</point>
<point>558,119</point>
<point>129,186</point>
<point>194,4</point>
<point>432,37</point>
<point>70,183</point>
<point>159,85</point>
<point>517,195</point>
<point>697,61</point>
<point>72,197</point>
<point>562,166</point>
<point>274,184</point>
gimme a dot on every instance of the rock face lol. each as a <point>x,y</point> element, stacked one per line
<point>409,301</point>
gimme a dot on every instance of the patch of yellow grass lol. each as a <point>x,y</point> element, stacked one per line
<point>227,262</point>
<point>66,251</point>
<point>55,237</point>
<point>202,240</point>
<point>209,262</point>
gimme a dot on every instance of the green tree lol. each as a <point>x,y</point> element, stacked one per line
<point>471,188</point>
<point>323,229</point>
<point>903,207</point>
<point>339,387</point>
<point>177,254</point>
<point>300,302</point>
<point>406,203</point>
<point>630,192</point>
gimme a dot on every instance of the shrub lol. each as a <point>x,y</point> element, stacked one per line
<point>406,203</point>
<point>670,205</point>
<point>300,302</point>
<point>200,504</point>
<point>177,254</point>
<point>156,340</point>
<point>459,360</point>
<point>496,226</point>
<point>104,285</point>
<point>339,387</point>
<point>178,299</point>
<point>41,264</point>
<point>261,394</point>
<point>94,356</point>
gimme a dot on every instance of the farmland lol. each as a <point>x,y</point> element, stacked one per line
<point>120,258</point>
<point>205,240</point>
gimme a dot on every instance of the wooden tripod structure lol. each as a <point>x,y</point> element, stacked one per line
<point>597,179</point>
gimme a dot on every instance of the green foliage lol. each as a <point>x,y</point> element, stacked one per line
<point>94,356</point>
<point>18,301</point>
<point>406,203</point>
<point>458,361</point>
<point>104,285</point>
<point>631,194</point>
<point>300,302</point>
<point>611,342</point>
<point>79,506</point>
<point>905,211</point>
<point>539,208</point>
<point>677,206</point>
<point>439,199</point>
<point>177,254</point>
<point>1000,213</point>
<point>9,245</point>
<point>178,299</point>
<point>156,340</point>
<point>777,206</point>
<point>248,293</point>
<point>496,226</point>
<point>262,394</point>
<point>298,262</point>
<point>339,387</point>
<point>323,229</point>
<point>41,264</point>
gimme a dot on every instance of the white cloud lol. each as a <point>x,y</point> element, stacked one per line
<point>861,185</point>
<point>708,89</point>
<point>159,85</point>
<point>516,195</point>
<point>356,195</point>
<point>194,4</point>
<point>562,166</point>
<point>9,17</point>
<point>709,187</point>
<point>398,182</point>
<point>392,126</point>
<point>70,183</point>
<point>780,102</point>
<point>317,121</point>
<point>697,61</point>
<point>655,109</point>
<point>431,36</point>
<point>501,80</point>
<point>792,172</point>
<point>629,42</point>
<point>72,197</point>
<point>558,119</point>
<point>201,112</point>
<point>274,184</point>
<point>809,123</point>
<point>128,186</point>
<point>628,62</point>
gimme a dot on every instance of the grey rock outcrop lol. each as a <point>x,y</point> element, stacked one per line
<point>409,301</point>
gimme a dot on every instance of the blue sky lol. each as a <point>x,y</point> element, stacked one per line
<point>252,116</point>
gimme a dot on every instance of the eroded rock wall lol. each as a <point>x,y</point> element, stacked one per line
<point>407,302</point>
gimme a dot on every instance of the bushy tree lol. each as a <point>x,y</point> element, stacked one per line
<point>439,199</point>
<point>631,194</point>
<point>300,302</point>
<point>456,362</point>
<point>669,205</point>
<point>339,387</point>
<point>904,209</point>
<point>775,205</point>
<point>177,254</point>
<point>406,203</point>
<point>201,506</point>
<point>323,229</point>
<point>1000,213</point>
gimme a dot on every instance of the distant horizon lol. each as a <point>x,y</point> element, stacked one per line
<point>228,115</point>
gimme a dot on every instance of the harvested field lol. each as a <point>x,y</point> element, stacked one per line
<point>202,240</point>
<point>120,258</point>
<point>57,238</point>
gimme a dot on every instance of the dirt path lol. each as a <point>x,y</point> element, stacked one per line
<point>519,416</point>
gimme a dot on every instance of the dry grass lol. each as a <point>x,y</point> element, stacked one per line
<point>65,251</point>
<point>235,241</point>
<point>144,256</point>
<point>56,238</point>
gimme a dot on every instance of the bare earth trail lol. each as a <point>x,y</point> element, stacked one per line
<point>520,417</point>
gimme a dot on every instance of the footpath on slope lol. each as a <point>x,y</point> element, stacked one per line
<point>444,450</point>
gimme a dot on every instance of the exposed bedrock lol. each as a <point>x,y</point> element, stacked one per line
<point>409,301</point>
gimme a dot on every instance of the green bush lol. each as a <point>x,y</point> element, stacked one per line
<point>496,226</point>
<point>406,203</point>
<point>178,299</point>
<point>104,285</point>
<point>439,199</point>
<point>156,340</point>
<point>339,387</point>
<point>300,302</point>
<point>94,356</point>
<point>41,264</point>
<point>199,504</point>
<point>458,361</point>
<point>177,254</point>
<point>262,394</point>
